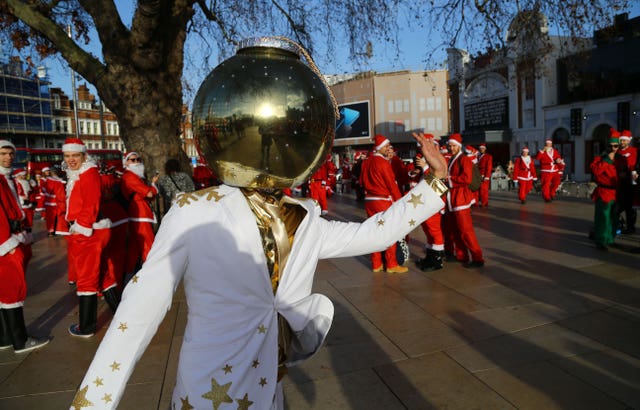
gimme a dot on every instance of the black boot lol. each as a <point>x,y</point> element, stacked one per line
<point>435,261</point>
<point>5,334</point>
<point>423,263</point>
<point>112,297</point>
<point>88,316</point>
<point>22,343</point>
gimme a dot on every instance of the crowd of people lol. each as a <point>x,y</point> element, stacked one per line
<point>106,216</point>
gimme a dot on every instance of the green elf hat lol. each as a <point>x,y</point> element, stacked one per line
<point>614,136</point>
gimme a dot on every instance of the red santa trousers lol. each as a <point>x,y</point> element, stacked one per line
<point>115,253</point>
<point>546,179</point>
<point>432,229</point>
<point>524,186</point>
<point>372,208</point>
<point>556,179</point>
<point>13,287</point>
<point>464,236</point>
<point>83,255</point>
<point>319,193</point>
<point>483,193</point>
<point>141,238</point>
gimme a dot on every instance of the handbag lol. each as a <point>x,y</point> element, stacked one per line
<point>402,252</point>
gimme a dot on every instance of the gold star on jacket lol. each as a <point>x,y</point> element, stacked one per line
<point>213,244</point>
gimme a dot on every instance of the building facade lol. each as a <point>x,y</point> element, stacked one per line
<point>25,104</point>
<point>569,90</point>
<point>394,104</point>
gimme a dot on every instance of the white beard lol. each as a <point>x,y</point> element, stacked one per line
<point>137,168</point>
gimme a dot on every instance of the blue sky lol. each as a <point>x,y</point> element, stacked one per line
<point>412,45</point>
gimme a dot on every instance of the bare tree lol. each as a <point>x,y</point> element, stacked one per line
<point>139,75</point>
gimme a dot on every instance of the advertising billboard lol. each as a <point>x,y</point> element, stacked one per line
<point>354,121</point>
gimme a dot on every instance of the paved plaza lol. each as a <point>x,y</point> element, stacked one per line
<point>548,323</point>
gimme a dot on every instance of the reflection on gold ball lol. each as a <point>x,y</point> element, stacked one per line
<point>263,118</point>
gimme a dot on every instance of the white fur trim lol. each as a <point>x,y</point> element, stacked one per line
<point>7,143</point>
<point>102,224</point>
<point>74,148</point>
<point>80,229</point>
<point>9,245</point>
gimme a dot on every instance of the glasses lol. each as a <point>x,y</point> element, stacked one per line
<point>135,159</point>
<point>614,145</point>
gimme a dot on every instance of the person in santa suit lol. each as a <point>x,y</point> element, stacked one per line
<point>432,227</point>
<point>485,165</point>
<point>524,173</point>
<point>624,199</point>
<point>381,191</point>
<point>605,169</point>
<point>460,199</point>
<point>15,252</point>
<point>115,252</point>
<point>243,298</point>
<point>139,195</point>
<point>38,191</point>
<point>317,187</point>
<point>549,159</point>
<point>88,236</point>
<point>55,204</point>
<point>557,178</point>
<point>24,195</point>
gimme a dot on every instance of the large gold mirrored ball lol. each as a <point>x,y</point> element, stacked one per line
<point>263,118</point>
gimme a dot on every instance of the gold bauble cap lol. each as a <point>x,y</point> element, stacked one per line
<point>263,118</point>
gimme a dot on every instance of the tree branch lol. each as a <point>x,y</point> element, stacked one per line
<point>81,61</point>
<point>113,34</point>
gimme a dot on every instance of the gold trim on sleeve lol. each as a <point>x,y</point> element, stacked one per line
<point>436,184</point>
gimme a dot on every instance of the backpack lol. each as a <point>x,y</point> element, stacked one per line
<point>476,177</point>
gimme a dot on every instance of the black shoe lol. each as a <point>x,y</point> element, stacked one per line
<point>32,343</point>
<point>602,247</point>
<point>74,330</point>
<point>474,264</point>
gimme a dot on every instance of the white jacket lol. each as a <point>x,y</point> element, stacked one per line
<point>211,240</point>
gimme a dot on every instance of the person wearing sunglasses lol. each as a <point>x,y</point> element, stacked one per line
<point>139,194</point>
<point>605,169</point>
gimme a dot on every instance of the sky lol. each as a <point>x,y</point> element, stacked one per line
<point>413,52</point>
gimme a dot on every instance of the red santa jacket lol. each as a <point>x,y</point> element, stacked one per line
<point>378,179</point>
<point>135,189</point>
<point>523,171</point>
<point>605,174</point>
<point>83,200</point>
<point>109,206</point>
<point>23,190</point>
<point>630,154</point>
<point>548,160</point>
<point>54,191</point>
<point>485,165</point>
<point>459,196</point>
<point>10,210</point>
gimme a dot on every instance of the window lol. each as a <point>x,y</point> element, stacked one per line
<point>58,127</point>
<point>108,129</point>
<point>430,104</point>
<point>439,124</point>
<point>431,124</point>
<point>398,105</point>
<point>438,104</point>
<point>81,127</point>
<point>56,101</point>
<point>406,105</point>
<point>95,128</point>
<point>390,107</point>
<point>529,87</point>
<point>421,104</point>
<point>423,123</point>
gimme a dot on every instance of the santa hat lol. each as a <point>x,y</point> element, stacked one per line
<point>19,171</point>
<point>470,150</point>
<point>456,139</point>
<point>380,141</point>
<point>548,141</point>
<point>128,155</point>
<point>614,133</point>
<point>483,145</point>
<point>525,149</point>
<point>625,135</point>
<point>45,169</point>
<point>443,149</point>
<point>7,144</point>
<point>74,145</point>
